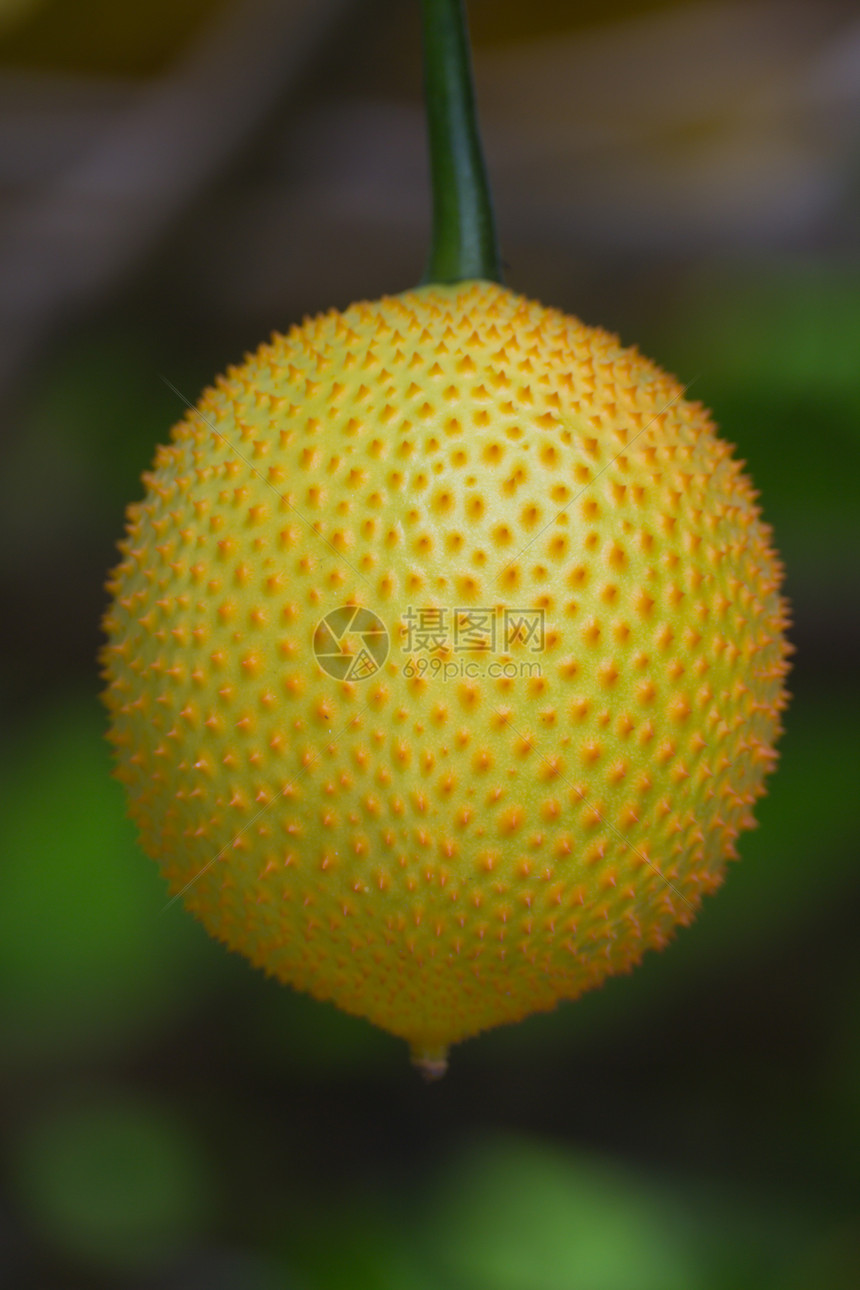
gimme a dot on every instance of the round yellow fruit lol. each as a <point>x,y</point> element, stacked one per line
<point>445,659</point>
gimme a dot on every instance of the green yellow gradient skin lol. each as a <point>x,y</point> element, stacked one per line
<point>445,856</point>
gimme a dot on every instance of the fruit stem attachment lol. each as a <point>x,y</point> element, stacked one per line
<point>464,228</point>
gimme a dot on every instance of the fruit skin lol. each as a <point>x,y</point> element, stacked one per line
<point>442,856</point>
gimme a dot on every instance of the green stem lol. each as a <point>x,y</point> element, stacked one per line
<point>464,231</point>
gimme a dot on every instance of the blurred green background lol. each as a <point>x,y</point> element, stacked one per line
<point>178,179</point>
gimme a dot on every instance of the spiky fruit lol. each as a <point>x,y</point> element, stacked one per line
<point>449,837</point>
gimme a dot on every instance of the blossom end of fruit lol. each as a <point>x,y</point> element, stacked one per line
<point>430,1062</point>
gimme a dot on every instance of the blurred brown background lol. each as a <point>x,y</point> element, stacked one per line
<point>176,180</point>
